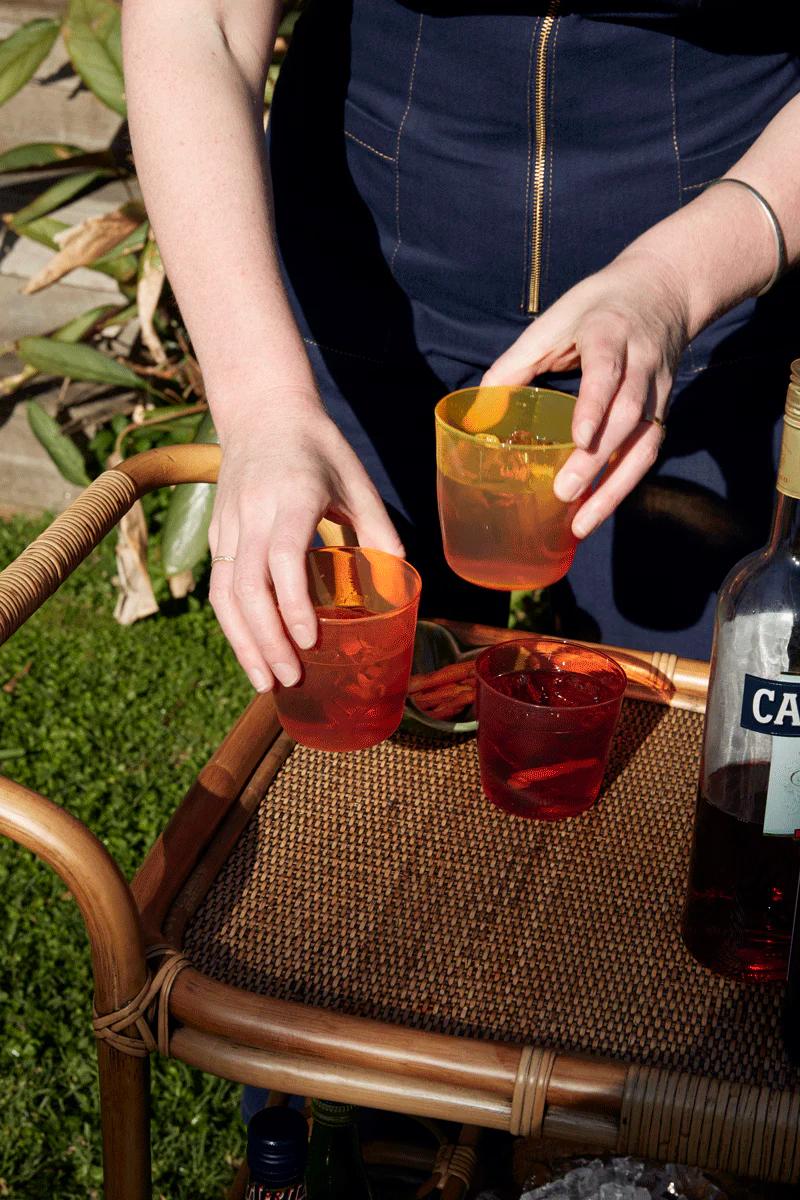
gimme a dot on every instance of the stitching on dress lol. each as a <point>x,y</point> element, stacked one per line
<point>689,187</point>
<point>674,97</point>
<point>389,157</point>
<point>523,304</point>
<point>546,264</point>
<point>346,353</point>
<point>397,146</point>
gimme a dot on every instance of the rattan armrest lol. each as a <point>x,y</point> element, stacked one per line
<point>46,563</point>
<point>95,881</point>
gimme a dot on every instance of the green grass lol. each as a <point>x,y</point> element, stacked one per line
<point>112,723</point>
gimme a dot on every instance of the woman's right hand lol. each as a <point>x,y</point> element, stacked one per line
<point>285,465</point>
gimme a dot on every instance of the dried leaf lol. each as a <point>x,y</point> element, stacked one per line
<point>181,584</point>
<point>148,293</point>
<point>136,598</point>
<point>11,383</point>
<point>84,243</point>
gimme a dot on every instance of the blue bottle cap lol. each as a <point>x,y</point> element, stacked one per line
<point>277,1146</point>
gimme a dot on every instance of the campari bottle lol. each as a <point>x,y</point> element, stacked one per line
<point>745,860</point>
<point>277,1150</point>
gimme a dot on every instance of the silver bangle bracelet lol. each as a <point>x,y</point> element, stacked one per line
<point>774,224</point>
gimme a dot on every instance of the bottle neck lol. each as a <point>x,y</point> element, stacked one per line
<point>786,519</point>
<point>785,532</point>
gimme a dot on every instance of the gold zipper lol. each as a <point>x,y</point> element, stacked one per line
<point>540,153</point>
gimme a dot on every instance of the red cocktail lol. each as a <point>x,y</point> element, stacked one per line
<point>547,711</point>
<point>355,678</point>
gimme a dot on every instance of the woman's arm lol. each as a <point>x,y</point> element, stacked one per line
<point>195,73</point>
<point>627,325</point>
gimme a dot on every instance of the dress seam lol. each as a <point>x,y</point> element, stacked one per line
<point>380,153</point>
<point>379,362</point>
<point>401,127</point>
<point>673,89</point>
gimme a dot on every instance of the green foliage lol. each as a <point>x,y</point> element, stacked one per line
<point>93,41</point>
<point>64,453</point>
<point>43,230</point>
<point>58,195</point>
<point>77,361</point>
<point>39,154</point>
<point>185,534</point>
<point>22,53</point>
<point>99,724</point>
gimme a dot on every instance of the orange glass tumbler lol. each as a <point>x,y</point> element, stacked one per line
<point>498,450</point>
<point>355,678</point>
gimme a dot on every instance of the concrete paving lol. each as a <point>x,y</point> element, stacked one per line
<point>55,106</point>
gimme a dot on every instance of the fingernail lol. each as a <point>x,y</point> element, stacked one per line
<point>287,674</point>
<point>568,486</point>
<point>260,681</point>
<point>582,529</point>
<point>303,636</point>
<point>584,434</point>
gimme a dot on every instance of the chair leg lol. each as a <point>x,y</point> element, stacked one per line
<point>125,1115</point>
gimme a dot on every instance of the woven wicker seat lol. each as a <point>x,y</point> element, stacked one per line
<point>382,884</point>
<point>366,927</point>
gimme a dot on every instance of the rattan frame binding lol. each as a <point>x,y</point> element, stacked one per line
<point>295,1048</point>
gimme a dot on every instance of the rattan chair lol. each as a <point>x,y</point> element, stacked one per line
<point>365,927</point>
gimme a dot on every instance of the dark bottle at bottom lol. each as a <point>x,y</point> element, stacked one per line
<point>277,1149</point>
<point>335,1167</point>
<point>742,884</point>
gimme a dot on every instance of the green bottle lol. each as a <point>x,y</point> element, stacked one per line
<point>335,1168</point>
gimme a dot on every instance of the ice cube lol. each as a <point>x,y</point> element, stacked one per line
<point>627,1170</point>
<point>584,1182</point>
<point>487,439</point>
<point>557,1190</point>
<point>520,437</point>
<point>524,686</point>
<point>613,1191</point>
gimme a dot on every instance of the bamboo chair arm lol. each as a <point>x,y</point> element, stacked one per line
<point>95,881</point>
<point>41,568</point>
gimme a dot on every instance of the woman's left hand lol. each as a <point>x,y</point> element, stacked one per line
<point>625,327</point>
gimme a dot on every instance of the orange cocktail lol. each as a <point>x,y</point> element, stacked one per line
<point>354,682</point>
<point>498,451</point>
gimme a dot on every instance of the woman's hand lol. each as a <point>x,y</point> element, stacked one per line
<point>284,466</point>
<point>625,327</point>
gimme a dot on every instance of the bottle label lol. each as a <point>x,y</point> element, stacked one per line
<point>772,706</point>
<point>260,1191</point>
<point>789,466</point>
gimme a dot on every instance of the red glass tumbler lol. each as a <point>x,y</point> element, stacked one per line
<point>547,710</point>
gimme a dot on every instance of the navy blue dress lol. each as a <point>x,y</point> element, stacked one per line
<point>445,171</point>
